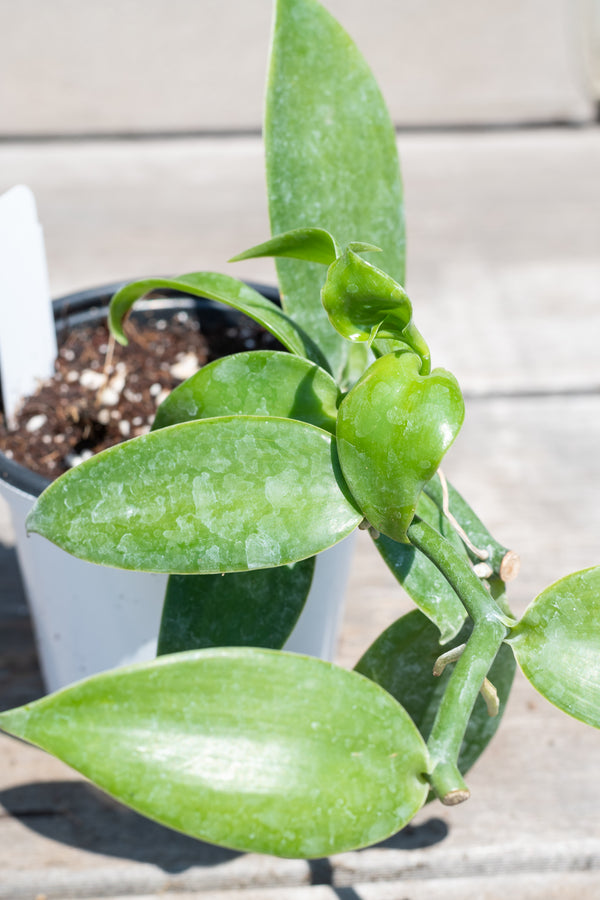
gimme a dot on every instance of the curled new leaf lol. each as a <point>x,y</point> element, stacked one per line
<point>394,428</point>
<point>252,749</point>
<point>224,289</point>
<point>260,382</point>
<point>557,644</point>
<point>359,298</point>
<point>214,495</point>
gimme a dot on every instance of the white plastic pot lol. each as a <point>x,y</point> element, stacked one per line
<point>89,618</point>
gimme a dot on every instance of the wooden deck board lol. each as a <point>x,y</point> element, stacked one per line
<point>528,459</point>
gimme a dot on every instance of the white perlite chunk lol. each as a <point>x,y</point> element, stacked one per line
<point>187,364</point>
<point>92,380</point>
<point>36,422</point>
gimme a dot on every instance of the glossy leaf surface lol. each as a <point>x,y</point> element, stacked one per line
<point>252,609</point>
<point>401,660</point>
<point>311,244</point>
<point>422,580</point>
<point>557,644</point>
<point>224,289</point>
<point>213,495</point>
<point>393,430</point>
<point>331,158</point>
<point>260,382</point>
<point>252,749</point>
<point>361,300</point>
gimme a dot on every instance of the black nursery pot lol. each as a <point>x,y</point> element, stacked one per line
<point>91,306</point>
<point>88,618</point>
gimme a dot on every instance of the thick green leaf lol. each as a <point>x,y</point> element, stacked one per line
<point>260,382</point>
<point>331,159</point>
<point>214,495</point>
<point>362,300</point>
<point>311,244</point>
<point>251,609</point>
<point>393,430</point>
<point>557,644</point>
<point>422,581</point>
<point>252,749</point>
<point>401,660</point>
<point>224,289</point>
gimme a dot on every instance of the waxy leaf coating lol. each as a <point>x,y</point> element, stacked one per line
<point>557,644</point>
<point>394,428</point>
<point>252,749</point>
<point>331,160</point>
<point>213,495</point>
<point>257,383</point>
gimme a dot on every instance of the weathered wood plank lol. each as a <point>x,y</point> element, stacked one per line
<point>163,65</point>
<point>503,232</point>
<point>534,806</point>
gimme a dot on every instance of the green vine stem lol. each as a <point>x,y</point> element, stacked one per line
<point>504,562</point>
<point>471,668</point>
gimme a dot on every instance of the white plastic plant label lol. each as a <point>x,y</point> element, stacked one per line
<point>27,336</point>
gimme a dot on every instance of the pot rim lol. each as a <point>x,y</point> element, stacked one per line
<point>74,308</point>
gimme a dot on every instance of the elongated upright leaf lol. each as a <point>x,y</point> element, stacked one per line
<point>331,158</point>
<point>248,609</point>
<point>557,644</point>
<point>213,495</point>
<point>260,382</point>
<point>224,289</point>
<point>401,660</point>
<point>253,749</point>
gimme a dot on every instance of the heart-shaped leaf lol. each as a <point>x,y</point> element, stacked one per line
<point>312,244</point>
<point>224,289</point>
<point>253,749</point>
<point>393,430</point>
<point>252,609</point>
<point>213,495</point>
<point>331,159</point>
<point>401,660</point>
<point>260,382</point>
<point>557,644</point>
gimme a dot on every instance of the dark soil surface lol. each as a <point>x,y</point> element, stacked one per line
<point>103,393</point>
